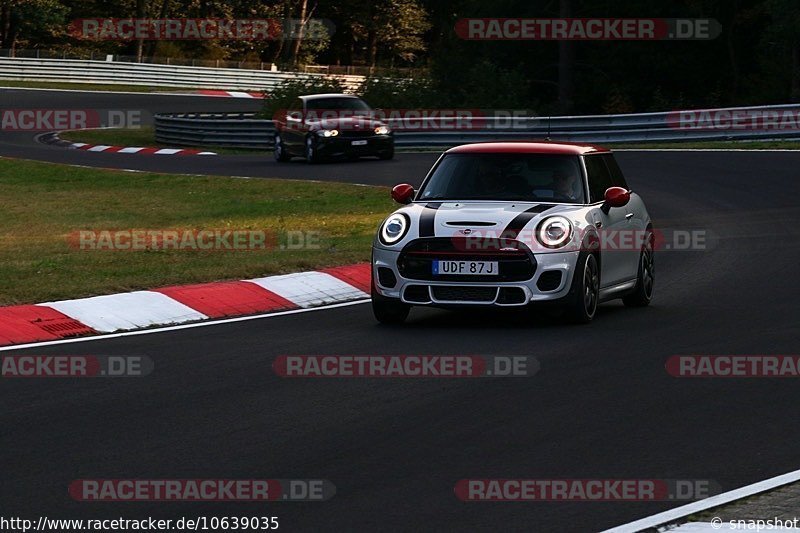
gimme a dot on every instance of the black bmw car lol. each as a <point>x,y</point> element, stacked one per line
<point>323,126</point>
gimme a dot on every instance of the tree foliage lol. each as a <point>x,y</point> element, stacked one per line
<point>756,59</point>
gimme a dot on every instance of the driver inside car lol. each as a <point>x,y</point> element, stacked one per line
<point>565,185</point>
<point>492,179</point>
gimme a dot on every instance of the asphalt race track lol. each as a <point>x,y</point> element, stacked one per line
<point>602,405</point>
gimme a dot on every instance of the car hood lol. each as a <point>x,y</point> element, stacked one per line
<point>454,219</point>
<point>347,123</point>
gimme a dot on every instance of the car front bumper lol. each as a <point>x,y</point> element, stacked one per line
<point>342,145</point>
<point>433,292</point>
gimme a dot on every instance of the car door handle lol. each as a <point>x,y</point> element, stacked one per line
<point>629,216</point>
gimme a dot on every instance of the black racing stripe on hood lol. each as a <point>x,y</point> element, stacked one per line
<point>427,218</point>
<point>521,220</point>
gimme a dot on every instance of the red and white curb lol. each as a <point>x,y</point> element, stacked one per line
<point>230,94</point>
<point>181,304</point>
<point>136,149</point>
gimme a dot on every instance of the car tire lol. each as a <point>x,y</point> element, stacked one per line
<point>584,295</point>
<point>642,293</point>
<point>279,152</point>
<point>388,154</point>
<point>389,311</point>
<point>312,156</point>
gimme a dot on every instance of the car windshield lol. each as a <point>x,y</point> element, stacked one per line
<point>517,177</point>
<point>337,104</point>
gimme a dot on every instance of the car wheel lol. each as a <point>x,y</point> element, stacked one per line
<point>388,154</point>
<point>585,291</point>
<point>389,311</point>
<point>645,281</point>
<point>312,156</point>
<point>279,152</point>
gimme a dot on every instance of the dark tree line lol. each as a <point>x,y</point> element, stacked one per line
<point>755,59</point>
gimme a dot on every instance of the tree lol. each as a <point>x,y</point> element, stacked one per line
<point>31,20</point>
<point>785,29</point>
<point>396,27</point>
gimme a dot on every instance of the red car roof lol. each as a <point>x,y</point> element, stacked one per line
<point>527,147</point>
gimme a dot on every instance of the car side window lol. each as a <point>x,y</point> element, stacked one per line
<point>617,178</point>
<point>599,177</point>
<point>295,109</point>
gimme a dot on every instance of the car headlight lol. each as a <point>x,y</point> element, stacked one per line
<point>394,228</point>
<point>382,130</point>
<point>328,133</point>
<point>554,232</point>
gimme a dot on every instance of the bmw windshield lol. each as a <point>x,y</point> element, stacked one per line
<point>507,177</point>
<point>338,104</point>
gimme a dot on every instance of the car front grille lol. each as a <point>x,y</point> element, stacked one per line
<point>417,294</point>
<point>515,261</point>
<point>464,294</point>
<point>356,134</point>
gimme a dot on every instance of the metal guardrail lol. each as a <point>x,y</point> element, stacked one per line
<point>235,130</point>
<point>339,70</point>
<point>243,130</point>
<point>116,73</point>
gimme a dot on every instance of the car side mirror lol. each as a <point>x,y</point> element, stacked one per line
<point>403,193</point>
<point>616,197</point>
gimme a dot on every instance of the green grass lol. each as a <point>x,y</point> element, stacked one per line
<point>42,204</point>
<point>92,86</point>
<point>138,137</point>
<point>112,136</point>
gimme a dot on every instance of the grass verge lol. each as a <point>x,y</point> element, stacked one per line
<point>42,204</point>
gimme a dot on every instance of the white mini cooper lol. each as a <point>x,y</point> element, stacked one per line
<point>515,224</point>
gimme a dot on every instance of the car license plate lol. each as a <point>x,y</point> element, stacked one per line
<point>465,268</point>
<point>359,143</point>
